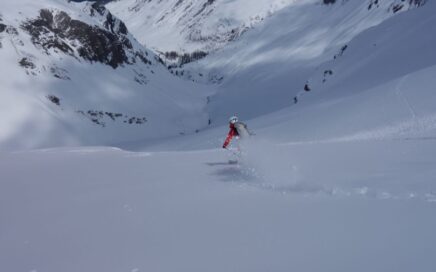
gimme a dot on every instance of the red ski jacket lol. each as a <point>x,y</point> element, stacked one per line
<point>232,133</point>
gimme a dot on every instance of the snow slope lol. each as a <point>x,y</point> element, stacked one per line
<point>310,207</point>
<point>344,180</point>
<point>269,65</point>
<point>188,26</point>
<point>72,74</point>
<point>139,101</point>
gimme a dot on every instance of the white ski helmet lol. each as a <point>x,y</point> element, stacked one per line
<point>233,119</point>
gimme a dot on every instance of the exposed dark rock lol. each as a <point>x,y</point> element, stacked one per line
<point>98,117</point>
<point>341,52</point>
<point>397,8</point>
<point>158,59</point>
<point>136,120</point>
<point>59,73</point>
<point>58,31</point>
<point>178,3</point>
<point>205,5</point>
<point>113,116</point>
<point>11,30</point>
<point>140,78</point>
<point>194,56</point>
<point>2,27</point>
<point>185,58</point>
<point>327,2</point>
<point>216,79</point>
<point>26,63</point>
<point>40,30</point>
<point>373,3</point>
<point>94,116</point>
<point>172,55</point>
<point>417,3</point>
<point>328,73</point>
<point>54,99</point>
<point>96,7</point>
<point>111,23</point>
<point>28,66</point>
<point>143,58</point>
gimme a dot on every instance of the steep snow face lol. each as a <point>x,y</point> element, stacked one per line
<point>269,66</point>
<point>188,26</point>
<point>394,49</point>
<point>379,85</point>
<point>177,26</point>
<point>72,74</point>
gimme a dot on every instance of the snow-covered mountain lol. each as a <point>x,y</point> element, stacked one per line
<point>301,53</point>
<point>189,26</point>
<point>275,55</point>
<point>271,64</point>
<point>196,28</point>
<point>72,74</point>
<point>339,176</point>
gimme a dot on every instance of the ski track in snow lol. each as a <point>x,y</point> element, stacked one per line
<point>195,210</point>
<point>276,175</point>
<point>401,95</point>
<point>247,177</point>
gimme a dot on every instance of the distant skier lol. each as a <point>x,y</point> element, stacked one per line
<point>237,129</point>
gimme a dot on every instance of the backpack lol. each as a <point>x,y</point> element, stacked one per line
<point>242,130</point>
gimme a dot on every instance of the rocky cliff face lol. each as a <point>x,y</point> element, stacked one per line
<point>56,30</point>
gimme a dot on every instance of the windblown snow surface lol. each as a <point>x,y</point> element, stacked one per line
<point>344,180</point>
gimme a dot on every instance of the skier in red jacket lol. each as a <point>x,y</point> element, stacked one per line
<point>237,129</point>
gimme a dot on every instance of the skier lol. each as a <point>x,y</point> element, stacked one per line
<point>237,129</point>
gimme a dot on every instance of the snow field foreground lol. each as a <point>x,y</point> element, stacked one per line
<point>289,207</point>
